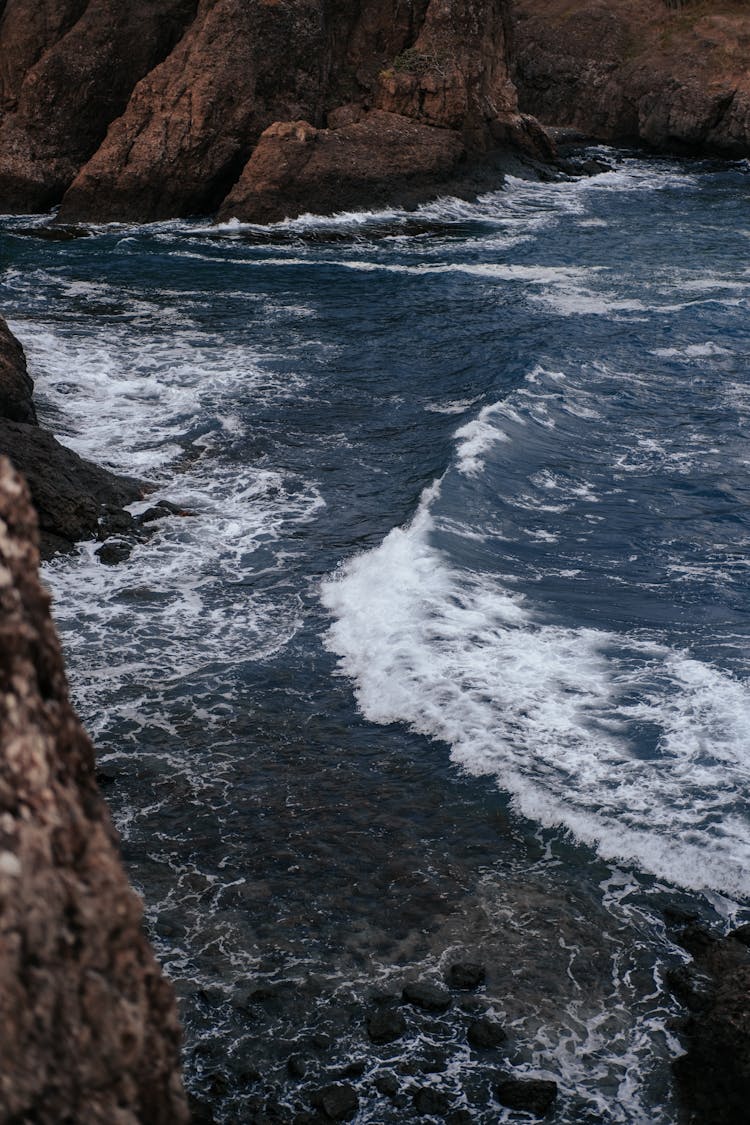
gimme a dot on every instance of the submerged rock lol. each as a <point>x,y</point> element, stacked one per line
<point>466,974</point>
<point>532,1095</point>
<point>714,1075</point>
<point>88,1025</point>
<point>486,1033</point>
<point>339,1102</point>
<point>430,997</point>
<point>385,1025</point>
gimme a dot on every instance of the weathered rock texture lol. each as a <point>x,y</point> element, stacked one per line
<point>70,494</point>
<point>714,1075</point>
<point>88,1028</point>
<point>673,77</point>
<point>152,109</point>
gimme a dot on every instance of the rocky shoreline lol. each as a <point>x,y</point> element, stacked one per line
<point>89,1028</point>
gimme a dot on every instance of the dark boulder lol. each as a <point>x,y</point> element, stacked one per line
<point>385,1025</point>
<point>532,1095</point>
<point>338,1102</point>
<point>431,1102</point>
<point>466,974</point>
<point>427,996</point>
<point>16,386</point>
<point>486,1033</point>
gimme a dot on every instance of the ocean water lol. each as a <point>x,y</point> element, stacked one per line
<point>451,653</point>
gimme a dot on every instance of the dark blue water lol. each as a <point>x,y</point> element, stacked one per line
<point>451,653</point>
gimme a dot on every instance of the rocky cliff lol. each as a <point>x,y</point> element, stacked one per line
<point>88,1028</point>
<point>153,109</point>
<point>673,76</point>
<point>73,497</point>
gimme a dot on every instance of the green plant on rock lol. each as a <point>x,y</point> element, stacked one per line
<point>413,61</point>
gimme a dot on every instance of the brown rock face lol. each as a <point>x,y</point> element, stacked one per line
<point>88,1028</point>
<point>192,122</point>
<point>675,78</point>
<point>70,494</point>
<point>382,158</point>
<point>68,69</point>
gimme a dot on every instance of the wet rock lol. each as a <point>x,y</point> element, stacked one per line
<point>339,1102</point>
<point>427,996</point>
<point>466,974</point>
<point>200,1111</point>
<point>384,158</point>
<point>387,1085</point>
<point>354,1069</point>
<point>116,521</point>
<point>713,1076</point>
<point>321,1041</point>
<point>296,1066</point>
<point>460,1117</point>
<point>532,1095</point>
<point>16,386</point>
<point>634,72</point>
<point>385,1025</point>
<point>86,1017</point>
<point>679,915</point>
<point>691,987</point>
<point>114,552</point>
<point>431,1102</point>
<point>486,1033</point>
<point>434,1063</point>
<point>741,934</point>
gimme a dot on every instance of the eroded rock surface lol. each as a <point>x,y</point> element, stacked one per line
<point>71,494</point>
<point>153,109</point>
<point>88,1027</point>
<point>674,77</point>
<point>714,1076</point>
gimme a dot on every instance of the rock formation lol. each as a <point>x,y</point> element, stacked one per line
<point>71,495</point>
<point>714,1075</point>
<point>673,76</point>
<point>88,1027</point>
<point>152,109</point>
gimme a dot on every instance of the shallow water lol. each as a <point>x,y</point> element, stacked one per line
<point>451,652</point>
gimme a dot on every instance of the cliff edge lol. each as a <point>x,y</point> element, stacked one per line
<point>88,1026</point>
<point>673,75</point>
<point>154,109</point>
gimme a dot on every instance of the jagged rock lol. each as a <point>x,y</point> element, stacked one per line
<point>384,158</point>
<point>192,123</point>
<point>385,1025</point>
<point>466,974</point>
<point>338,1102</point>
<point>486,1033</point>
<point>431,1102</point>
<point>88,1027</point>
<point>532,1095</point>
<point>635,71</point>
<point>714,1075</point>
<point>16,386</point>
<point>71,495</point>
<point>69,67</point>
<point>430,997</point>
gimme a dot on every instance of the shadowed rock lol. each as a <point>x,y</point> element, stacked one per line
<point>88,1027</point>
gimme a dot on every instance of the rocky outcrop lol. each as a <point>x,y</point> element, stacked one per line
<point>88,1027</point>
<point>71,495</point>
<point>69,67</point>
<point>383,158</point>
<point>672,77</point>
<point>714,1075</point>
<point>153,109</point>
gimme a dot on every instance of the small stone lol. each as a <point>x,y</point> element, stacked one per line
<point>387,1084</point>
<point>435,1063</point>
<point>114,552</point>
<point>532,1095</point>
<point>460,1117</point>
<point>321,1041</point>
<point>466,974</point>
<point>338,1102</point>
<point>354,1069</point>
<point>430,997</point>
<point>384,1025</point>
<point>296,1066</point>
<point>486,1033</point>
<point>430,1102</point>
